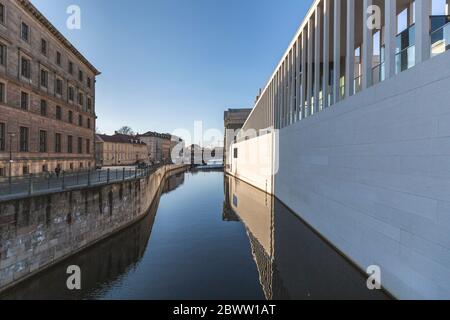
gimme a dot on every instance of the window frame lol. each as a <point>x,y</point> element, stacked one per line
<point>27,107</point>
<point>41,144</point>
<point>2,136</point>
<point>22,24</point>
<point>23,59</point>
<point>58,113</point>
<point>44,47</point>
<point>58,142</point>
<point>24,141</point>
<point>43,103</point>
<point>3,92</point>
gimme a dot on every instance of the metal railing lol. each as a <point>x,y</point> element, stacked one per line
<point>51,182</point>
<point>440,34</point>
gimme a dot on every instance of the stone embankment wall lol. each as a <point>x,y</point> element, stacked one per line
<point>39,231</point>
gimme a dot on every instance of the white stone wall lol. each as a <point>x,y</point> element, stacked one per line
<point>372,175</point>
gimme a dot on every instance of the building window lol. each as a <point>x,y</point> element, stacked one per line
<point>42,141</point>
<point>2,172</point>
<point>80,75</point>
<point>2,137</point>
<point>2,14</point>
<point>24,138</point>
<point>2,93</point>
<point>44,47</point>
<point>24,100</point>
<point>57,142</point>
<point>71,166</point>
<point>70,67</point>
<point>2,54</point>
<point>58,113</point>
<point>58,58</point>
<point>71,94</point>
<point>80,120</point>
<point>80,99</point>
<point>89,84</point>
<point>59,85</point>
<point>44,78</point>
<point>26,68</point>
<point>25,32</point>
<point>70,116</point>
<point>69,144</point>
<point>88,146</point>
<point>235,155</point>
<point>89,104</point>
<point>89,123</point>
<point>25,170</point>
<point>80,145</point>
<point>43,108</point>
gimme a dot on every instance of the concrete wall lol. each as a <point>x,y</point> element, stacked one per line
<point>372,175</point>
<point>38,232</point>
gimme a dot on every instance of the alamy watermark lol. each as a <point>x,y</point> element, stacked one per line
<point>73,21</point>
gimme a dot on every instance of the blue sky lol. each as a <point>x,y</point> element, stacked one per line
<point>168,63</point>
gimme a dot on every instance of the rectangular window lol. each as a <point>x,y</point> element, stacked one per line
<point>89,123</point>
<point>43,108</point>
<point>26,68</point>
<point>59,85</point>
<point>25,170</point>
<point>2,93</point>
<point>70,67</point>
<point>2,172</point>
<point>69,144</point>
<point>80,75</point>
<point>58,113</point>
<point>80,99</point>
<point>235,155</point>
<point>80,120</point>
<point>80,145</point>
<point>88,146</point>
<point>25,32</point>
<point>24,100</point>
<point>58,58</point>
<point>44,47</point>
<point>71,93</point>
<point>44,78</point>
<point>57,142</point>
<point>89,104</point>
<point>70,117</point>
<point>2,14</point>
<point>42,141</point>
<point>24,138</point>
<point>2,54</point>
<point>89,84</point>
<point>2,137</point>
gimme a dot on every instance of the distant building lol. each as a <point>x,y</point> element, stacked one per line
<point>158,146</point>
<point>120,150</point>
<point>47,95</point>
<point>234,119</point>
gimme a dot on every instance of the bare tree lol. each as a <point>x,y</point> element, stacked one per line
<point>126,130</point>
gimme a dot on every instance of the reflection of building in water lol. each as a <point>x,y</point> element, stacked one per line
<point>293,261</point>
<point>173,182</point>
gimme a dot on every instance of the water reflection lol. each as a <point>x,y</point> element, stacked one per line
<point>292,260</point>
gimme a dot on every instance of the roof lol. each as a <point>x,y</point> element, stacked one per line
<point>156,134</point>
<point>30,8</point>
<point>119,138</point>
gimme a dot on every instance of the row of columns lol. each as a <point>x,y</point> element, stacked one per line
<point>294,92</point>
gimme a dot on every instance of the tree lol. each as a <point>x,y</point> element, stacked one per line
<point>126,130</point>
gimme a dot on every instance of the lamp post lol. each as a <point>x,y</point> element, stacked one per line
<point>11,135</point>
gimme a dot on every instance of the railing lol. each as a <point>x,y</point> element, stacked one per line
<point>51,182</point>
<point>440,34</point>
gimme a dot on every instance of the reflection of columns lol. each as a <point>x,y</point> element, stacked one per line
<point>310,68</point>
<point>350,56</point>
<point>337,50</point>
<point>317,60</point>
<point>423,39</point>
<point>326,51</point>
<point>303,91</point>
<point>367,53</point>
<point>297,81</point>
<point>390,13</point>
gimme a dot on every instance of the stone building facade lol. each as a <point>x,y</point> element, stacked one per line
<point>120,150</point>
<point>47,95</point>
<point>158,145</point>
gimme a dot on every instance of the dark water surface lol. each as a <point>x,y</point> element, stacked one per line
<point>209,237</point>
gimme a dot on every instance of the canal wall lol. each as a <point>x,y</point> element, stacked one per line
<point>371,174</point>
<point>40,231</point>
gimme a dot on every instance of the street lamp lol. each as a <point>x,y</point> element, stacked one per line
<point>11,135</point>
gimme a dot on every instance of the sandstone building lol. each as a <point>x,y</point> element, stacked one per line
<point>120,150</point>
<point>47,95</point>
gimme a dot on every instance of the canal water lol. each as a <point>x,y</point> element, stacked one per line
<point>208,237</point>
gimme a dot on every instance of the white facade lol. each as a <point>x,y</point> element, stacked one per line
<point>365,160</point>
